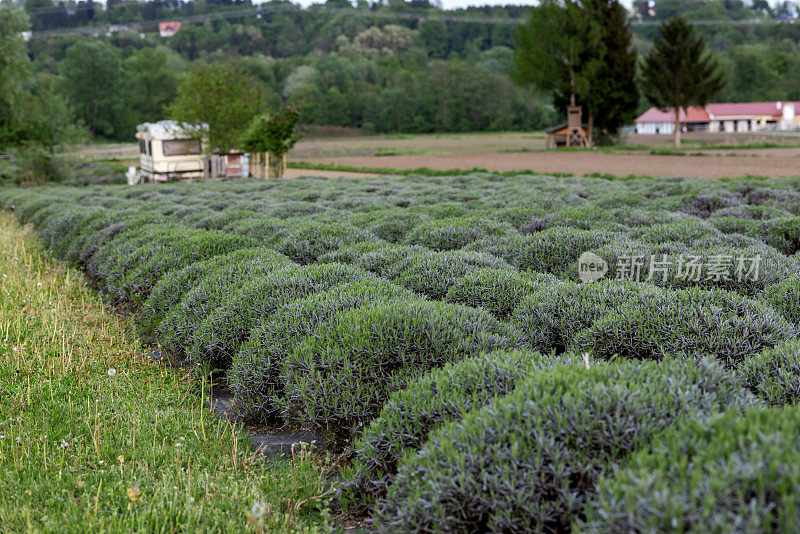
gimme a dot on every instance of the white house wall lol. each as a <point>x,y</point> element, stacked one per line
<point>653,128</point>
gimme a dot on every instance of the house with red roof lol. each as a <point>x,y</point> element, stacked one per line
<point>722,117</point>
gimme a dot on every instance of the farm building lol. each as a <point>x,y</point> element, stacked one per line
<point>722,117</point>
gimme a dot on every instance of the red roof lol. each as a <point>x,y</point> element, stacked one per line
<point>717,111</point>
<point>747,108</point>
<point>693,114</point>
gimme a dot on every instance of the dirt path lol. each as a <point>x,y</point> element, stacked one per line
<point>784,163</point>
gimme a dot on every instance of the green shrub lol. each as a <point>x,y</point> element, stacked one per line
<point>686,322</point>
<point>455,233</point>
<point>169,291</point>
<point>170,250</point>
<point>686,230</point>
<point>354,253</point>
<point>218,337</point>
<point>784,296</point>
<point>339,378</point>
<point>710,264</point>
<point>390,225</point>
<point>38,165</point>
<point>67,238</point>
<point>498,291</point>
<point>736,225</point>
<point>209,294</point>
<point>736,473</point>
<point>529,461</point>
<point>306,241</point>
<point>553,315</point>
<point>137,258</point>
<point>554,250</point>
<point>783,234</point>
<point>388,261</point>
<point>268,231</point>
<point>254,377</point>
<point>61,225</point>
<point>411,414</point>
<point>774,374</point>
<point>433,273</point>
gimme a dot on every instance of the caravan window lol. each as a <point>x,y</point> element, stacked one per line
<point>182,147</point>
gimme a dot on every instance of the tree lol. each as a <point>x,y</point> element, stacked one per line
<point>222,97</point>
<point>557,49</point>
<point>613,96</point>
<point>20,117</point>
<point>152,82</point>
<point>92,80</point>
<point>678,72</point>
<point>274,135</point>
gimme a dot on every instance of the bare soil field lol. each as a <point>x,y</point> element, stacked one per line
<point>521,151</point>
<point>581,163</point>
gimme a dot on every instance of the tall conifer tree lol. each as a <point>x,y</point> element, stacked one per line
<point>679,72</point>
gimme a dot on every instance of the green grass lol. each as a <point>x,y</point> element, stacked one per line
<point>96,437</point>
<point>419,171</point>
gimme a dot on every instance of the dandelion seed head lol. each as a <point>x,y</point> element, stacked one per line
<point>258,509</point>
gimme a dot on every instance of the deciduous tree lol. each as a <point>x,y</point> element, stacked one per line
<point>274,135</point>
<point>222,97</point>
<point>92,80</point>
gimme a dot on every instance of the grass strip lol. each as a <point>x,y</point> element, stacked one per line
<point>96,437</point>
<point>419,171</point>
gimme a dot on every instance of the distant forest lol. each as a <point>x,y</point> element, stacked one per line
<point>373,66</point>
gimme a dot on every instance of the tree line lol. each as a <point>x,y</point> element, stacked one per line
<point>349,70</point>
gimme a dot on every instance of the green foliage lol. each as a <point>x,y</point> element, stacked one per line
<point>498,291</point>
<point>24,105</point>
<point>37,165</point>
<point>557,47</point>
<point>254,377</point>
<point>774,374</point>
<point>529,461</point>
<point>222,97</point>
<point>678,72</point>
<point>273,133</point>
<point>91,78</point>
<point>554,314</point>
<point>307,241</point>
<point>208,295</point>
<point>554,250</point>
<point>784,296</point>
<point>433,273</point>
<point>686,323</point>
<point>734,473</point>
<point>217,338</point>
<point>410,415</point>
<point>170,289</point>
<point>338,379</point>
<point>454,233</point>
